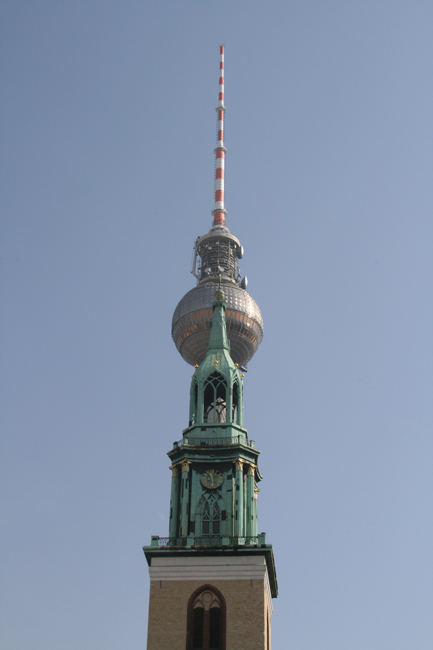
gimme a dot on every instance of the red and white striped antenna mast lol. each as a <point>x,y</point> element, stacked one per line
<point>215,265</point>
<point>219,212</point>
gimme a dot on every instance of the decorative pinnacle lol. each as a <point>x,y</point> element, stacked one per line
<point>219,212</point>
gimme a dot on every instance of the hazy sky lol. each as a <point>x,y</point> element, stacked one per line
<point>108,127</point>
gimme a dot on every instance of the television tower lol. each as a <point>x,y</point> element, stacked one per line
<point>216,256</point>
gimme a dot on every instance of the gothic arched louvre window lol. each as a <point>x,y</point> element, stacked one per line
<point>206,620</point>
<point>193,403</point>
<point>211,518</point>
<point>215,399</point>
<point>235,403</point>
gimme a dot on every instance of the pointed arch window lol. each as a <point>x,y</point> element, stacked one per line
<point>206,620</point>
<point>235,403</point>
<point>193,403</point>
<point>210,520</point>
<point>215,399</point>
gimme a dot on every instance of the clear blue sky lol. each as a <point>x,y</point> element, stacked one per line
<point>108,127</point>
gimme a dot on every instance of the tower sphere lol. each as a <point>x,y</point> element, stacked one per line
<point>192,321</point>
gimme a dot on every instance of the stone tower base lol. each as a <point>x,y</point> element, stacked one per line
<point>241,580</point>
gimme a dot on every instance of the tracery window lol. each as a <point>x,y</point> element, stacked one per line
<point>215,406</point>
<point>206,620</point>
<point>211,519</point>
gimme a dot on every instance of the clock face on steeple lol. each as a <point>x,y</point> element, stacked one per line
<point>211,479</point>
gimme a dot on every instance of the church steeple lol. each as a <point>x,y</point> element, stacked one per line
<point>213,578</point>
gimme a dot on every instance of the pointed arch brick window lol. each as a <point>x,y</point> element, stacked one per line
<point>206,620</point>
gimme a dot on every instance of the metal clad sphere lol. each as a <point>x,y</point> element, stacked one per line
<point>193,317</point>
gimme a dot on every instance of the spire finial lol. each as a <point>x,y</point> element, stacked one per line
<point>219,212</point>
